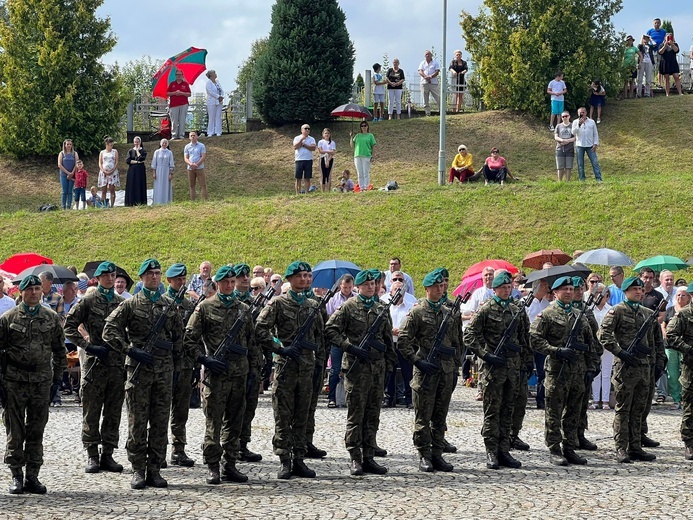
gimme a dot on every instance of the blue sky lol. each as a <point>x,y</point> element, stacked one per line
<point>401,28</point>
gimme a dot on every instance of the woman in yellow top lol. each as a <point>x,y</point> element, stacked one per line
<point>462,166</point>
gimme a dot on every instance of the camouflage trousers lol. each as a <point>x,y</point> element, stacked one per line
<point>318,382</point>
<point>500,389</point>
<point>364,388</point>
<point>564,391</point>
<point>223,404</point>
<point>102,401</point>
<point>252,394</point>
<point>291,395</point>
<point>431,398</point>
<point>650,397</point>
<point>686,405</point>
<point>520,406</point>
<point>632,388</point>
<point>25,416</point>
<point>149,406</point>
<point>180,408</point>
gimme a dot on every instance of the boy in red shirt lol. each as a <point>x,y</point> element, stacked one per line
<point>81,177</point>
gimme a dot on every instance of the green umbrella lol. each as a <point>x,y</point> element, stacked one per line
<point>661,262</point>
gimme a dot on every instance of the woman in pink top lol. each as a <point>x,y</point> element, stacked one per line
<point>495,168</point>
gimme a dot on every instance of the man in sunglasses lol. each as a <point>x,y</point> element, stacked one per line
<point>304,146</point>
<point>395,267</point>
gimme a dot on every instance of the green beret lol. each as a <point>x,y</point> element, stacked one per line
<point>377,274</point>
<point>297,267</point>
<point>241,269</point>
<point>225,271</point>
<point>149,263</point>
<point>29,281</point>
<point>176,270</point>
<point>631,281</point>
<point>105,268</point>
<point>364,276</point>
<point>563,281</point>
<point>577,281</point>
<point>444,272</point>
<point>433,278</point>
<point>501,279</point>
<point>690,288</point>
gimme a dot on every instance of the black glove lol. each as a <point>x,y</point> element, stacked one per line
<point>195,377</point>
<point>216,366</point>
<point>589,376</point>
<point>493,360</point>
<point>100,351</point>
<point>141,356</point>
<point>360,353</point>
<point>250,382</point>
<point>628,359</point>
<point>290,352</point>
<point>530,368</point>
<point>566,354</point>
<point>658,371</point>
<point>426,367</point>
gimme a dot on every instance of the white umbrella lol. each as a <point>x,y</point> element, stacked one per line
<point>604,256</point>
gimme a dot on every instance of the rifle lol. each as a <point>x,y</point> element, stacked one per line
<point>636,345</point>
<point>437,349</point>
<point>368,341</point>
<point>87,376</point>
<point>262,298</point>
<point>229,345</point>
<point>153,341</point>
<point>506,341</point>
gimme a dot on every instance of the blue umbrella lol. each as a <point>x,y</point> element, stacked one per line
<point>326,273</point>
<point>604,256</point>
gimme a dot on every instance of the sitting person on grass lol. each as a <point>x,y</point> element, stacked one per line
<point>462,167</point>
<point>345,183</point>
<point>495,168</point>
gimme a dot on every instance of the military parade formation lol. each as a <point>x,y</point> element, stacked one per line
<point>147,351</point>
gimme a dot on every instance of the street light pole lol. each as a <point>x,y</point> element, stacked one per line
<point>443,101</point>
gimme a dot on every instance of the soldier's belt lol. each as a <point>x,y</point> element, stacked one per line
<point>163,344</point>
<point>27,367</point>
<point>446,351</point>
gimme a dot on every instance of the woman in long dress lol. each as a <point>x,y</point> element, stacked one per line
<point>136,183</point>
<point>109,178</point>
<point>163,165</point>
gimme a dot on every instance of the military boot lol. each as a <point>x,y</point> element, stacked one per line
<point>285,468</point>
<point>641,455</point>
<point>556,457</point>
<point>573,458</point>
<point>356,468</point>
<point>179,458</point>
<point>379,452</point>
<point>440,464</point>
<point>300,469</point>
<point>425,464</point>
<point>449,448</point>
<point>508,461</point>
<point>17,486</point>
<point>647,442</point>
<point>33,485</point>
<point>92,464</point>
<point>584,443</point>
<point>371,466</point>
<point>622,457</point>
<point>213,477</point>
<point>518,444</point>
<point>231,474</point>
<point>314,453</point>
<point>247,455</point>
<point>155,479</point>
<point>492,460</point>
<point>108,464</point>
<point>138,481</point>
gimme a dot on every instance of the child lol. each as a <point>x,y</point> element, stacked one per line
<point>597,99</point>
<point>81,177</point>
<point>345,183</point>
<point>378,94</point>
<point>557,90</point>
<point>95,201</point>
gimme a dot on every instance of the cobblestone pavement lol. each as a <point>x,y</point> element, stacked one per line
<point>602,489</point>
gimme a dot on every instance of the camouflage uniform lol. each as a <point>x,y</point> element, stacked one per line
<point>104,395</point>
<point>149,401</point>
<point>565,382</point>
<point>292,385</point>
<point>224,395</point>
<point>587,395</point>
<point>180,399</point>
<point>430,393</point>
<point>317,381</point>
<point>631,384</point>
<point>33,355</point>
<point>365,384</point>
<point>521,396</point>
<point>680,337</point>
<point>482,336</point>
<point>252,389</point>
<point>658,363</point>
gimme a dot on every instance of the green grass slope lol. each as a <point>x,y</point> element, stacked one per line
<point>253,216</point>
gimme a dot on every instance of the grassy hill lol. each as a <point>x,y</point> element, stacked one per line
<point>253,216</point>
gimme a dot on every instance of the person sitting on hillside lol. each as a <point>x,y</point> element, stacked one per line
<point>462,167</point>
<point>345,183</point>
<point>495,168</point>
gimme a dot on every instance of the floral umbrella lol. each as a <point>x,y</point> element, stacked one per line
<point>190,62</point>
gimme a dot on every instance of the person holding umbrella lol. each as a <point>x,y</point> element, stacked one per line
<point>178,93</point>
<point>362,144</point>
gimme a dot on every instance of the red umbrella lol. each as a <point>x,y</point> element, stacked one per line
<point>17,263</point>
<point>537,259</point>
<point>351,110</point>
<point>190,62</point>
<point>496,264</point>
<point>469,283</point>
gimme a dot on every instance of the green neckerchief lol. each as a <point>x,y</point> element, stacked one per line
<point>152,295</point>
<point>31,311</point>
<point>444,299</point>
<point>240,296</point>
<point>567,307</point>
<point>503,303</point>
<point>107,293</point>
<point>297,297</point>
<point>172,293</point>
<point>309,293</point>
<point>633,305</point>
<point>436,305</point>
<point>367,302</point>
<point>577,304</point>
<point>227,299</point>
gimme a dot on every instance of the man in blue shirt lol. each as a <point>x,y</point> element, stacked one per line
<point>657,35</point>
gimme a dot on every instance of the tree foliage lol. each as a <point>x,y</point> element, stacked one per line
<point>520,44</point>
<point>308,66</point>
<point>136,77</point>
<point>52,83</point>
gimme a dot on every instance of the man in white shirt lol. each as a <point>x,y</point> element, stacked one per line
<point>666,279</point>
<point>121,286</point>
<point>479,296</point>
<point>195,154</point>
<point>304,146</point>
<point>398,312</point>
<point>586,141</point>
<point>429,69</point>
<point>396,267</point>
<point>6,303</point>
